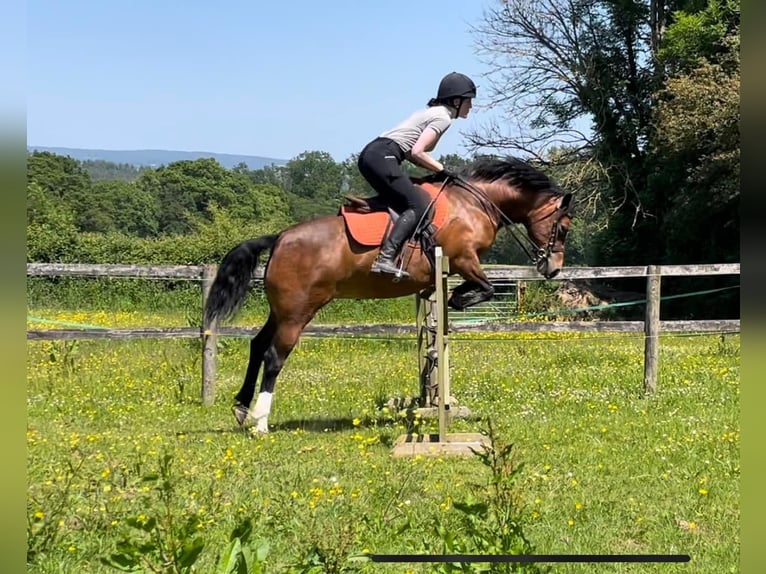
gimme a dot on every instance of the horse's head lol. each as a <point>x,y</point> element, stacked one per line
<point>547,227</point>
<point>523,194</point>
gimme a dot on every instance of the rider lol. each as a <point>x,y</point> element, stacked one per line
<point>380,161</point>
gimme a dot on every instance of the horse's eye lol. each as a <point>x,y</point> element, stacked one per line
<point>563,232</point>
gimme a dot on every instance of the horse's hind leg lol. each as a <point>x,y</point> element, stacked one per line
<point>258,347</point>
<point>284,341</point>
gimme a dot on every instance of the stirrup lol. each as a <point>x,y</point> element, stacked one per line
<point>388,268</point>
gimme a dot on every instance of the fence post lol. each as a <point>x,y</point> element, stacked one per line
<point>209,349</point>
<point>442,344</point>
<point>652,329</point>
<point>427,353</point>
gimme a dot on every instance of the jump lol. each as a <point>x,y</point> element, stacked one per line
<point>311,263</point>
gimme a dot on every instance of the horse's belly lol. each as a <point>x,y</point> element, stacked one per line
<point>376,287</point>
<point>365,285</point>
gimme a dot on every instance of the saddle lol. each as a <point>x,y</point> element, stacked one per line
<point>366,204</point>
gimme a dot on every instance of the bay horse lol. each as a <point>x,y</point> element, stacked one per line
<point>313,262</point>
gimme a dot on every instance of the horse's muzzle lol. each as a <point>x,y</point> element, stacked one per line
<point>546,268</point>
<point>552,274</point>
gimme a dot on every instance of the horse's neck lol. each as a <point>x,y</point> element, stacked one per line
<point>514,203</point>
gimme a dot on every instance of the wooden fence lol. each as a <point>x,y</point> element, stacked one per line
<point>651,326</point>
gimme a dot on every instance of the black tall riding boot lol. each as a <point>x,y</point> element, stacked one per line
<point>402,230</point>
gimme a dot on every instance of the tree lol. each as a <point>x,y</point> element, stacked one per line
<point>696,149</point>
<point>51,230</point>
<point>125,207</point>
<point>270,207</point>
<point>100,170</point>
<point>58,176</point>
<point>268,175</point>
<point>454,162</point>
<point>700,33</point>
<point>562,68</point>
<point>574,81</point>
<point>314,182</point>
<point>68,186</point>
<point>185,192</point>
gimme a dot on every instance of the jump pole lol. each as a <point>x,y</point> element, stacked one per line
<point>443,443</point>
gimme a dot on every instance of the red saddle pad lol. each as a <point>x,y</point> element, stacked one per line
<point>368,228</point>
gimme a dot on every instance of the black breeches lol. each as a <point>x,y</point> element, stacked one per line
<point>381,165</point>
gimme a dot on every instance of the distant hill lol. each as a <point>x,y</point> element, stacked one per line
<point>158,157</point>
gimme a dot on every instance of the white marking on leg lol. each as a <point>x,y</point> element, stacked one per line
<point>260,412</point>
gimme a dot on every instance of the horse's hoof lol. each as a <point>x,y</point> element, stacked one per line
<point>240,413</point>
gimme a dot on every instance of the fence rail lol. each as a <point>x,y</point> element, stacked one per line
<point>108,270</point>
<point>651,326</point>
<point>493,272</point>
<point>392,329</point>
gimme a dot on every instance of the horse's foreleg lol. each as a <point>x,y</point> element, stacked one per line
<point>468,294</point>
<point>258,347</point>
<point>476,287</point>
<point>285,339</point>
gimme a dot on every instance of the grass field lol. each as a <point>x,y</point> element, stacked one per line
<point>119,444</point>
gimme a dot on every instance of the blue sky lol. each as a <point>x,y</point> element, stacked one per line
<point>271,78</point>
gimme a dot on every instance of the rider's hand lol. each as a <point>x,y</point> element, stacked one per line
<point>447,174</point>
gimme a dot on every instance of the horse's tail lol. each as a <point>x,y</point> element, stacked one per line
<point>232,282</point>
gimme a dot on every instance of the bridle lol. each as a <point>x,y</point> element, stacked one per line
<point>499,219</point>
<point>556,229</point>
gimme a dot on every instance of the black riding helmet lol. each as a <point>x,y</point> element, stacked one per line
<point>456,85</point>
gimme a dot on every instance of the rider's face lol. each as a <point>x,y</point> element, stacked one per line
<point>465,107</point>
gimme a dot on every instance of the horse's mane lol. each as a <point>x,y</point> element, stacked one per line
<point>516,171</point>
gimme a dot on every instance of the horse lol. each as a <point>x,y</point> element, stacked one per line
<point>315,261</point>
